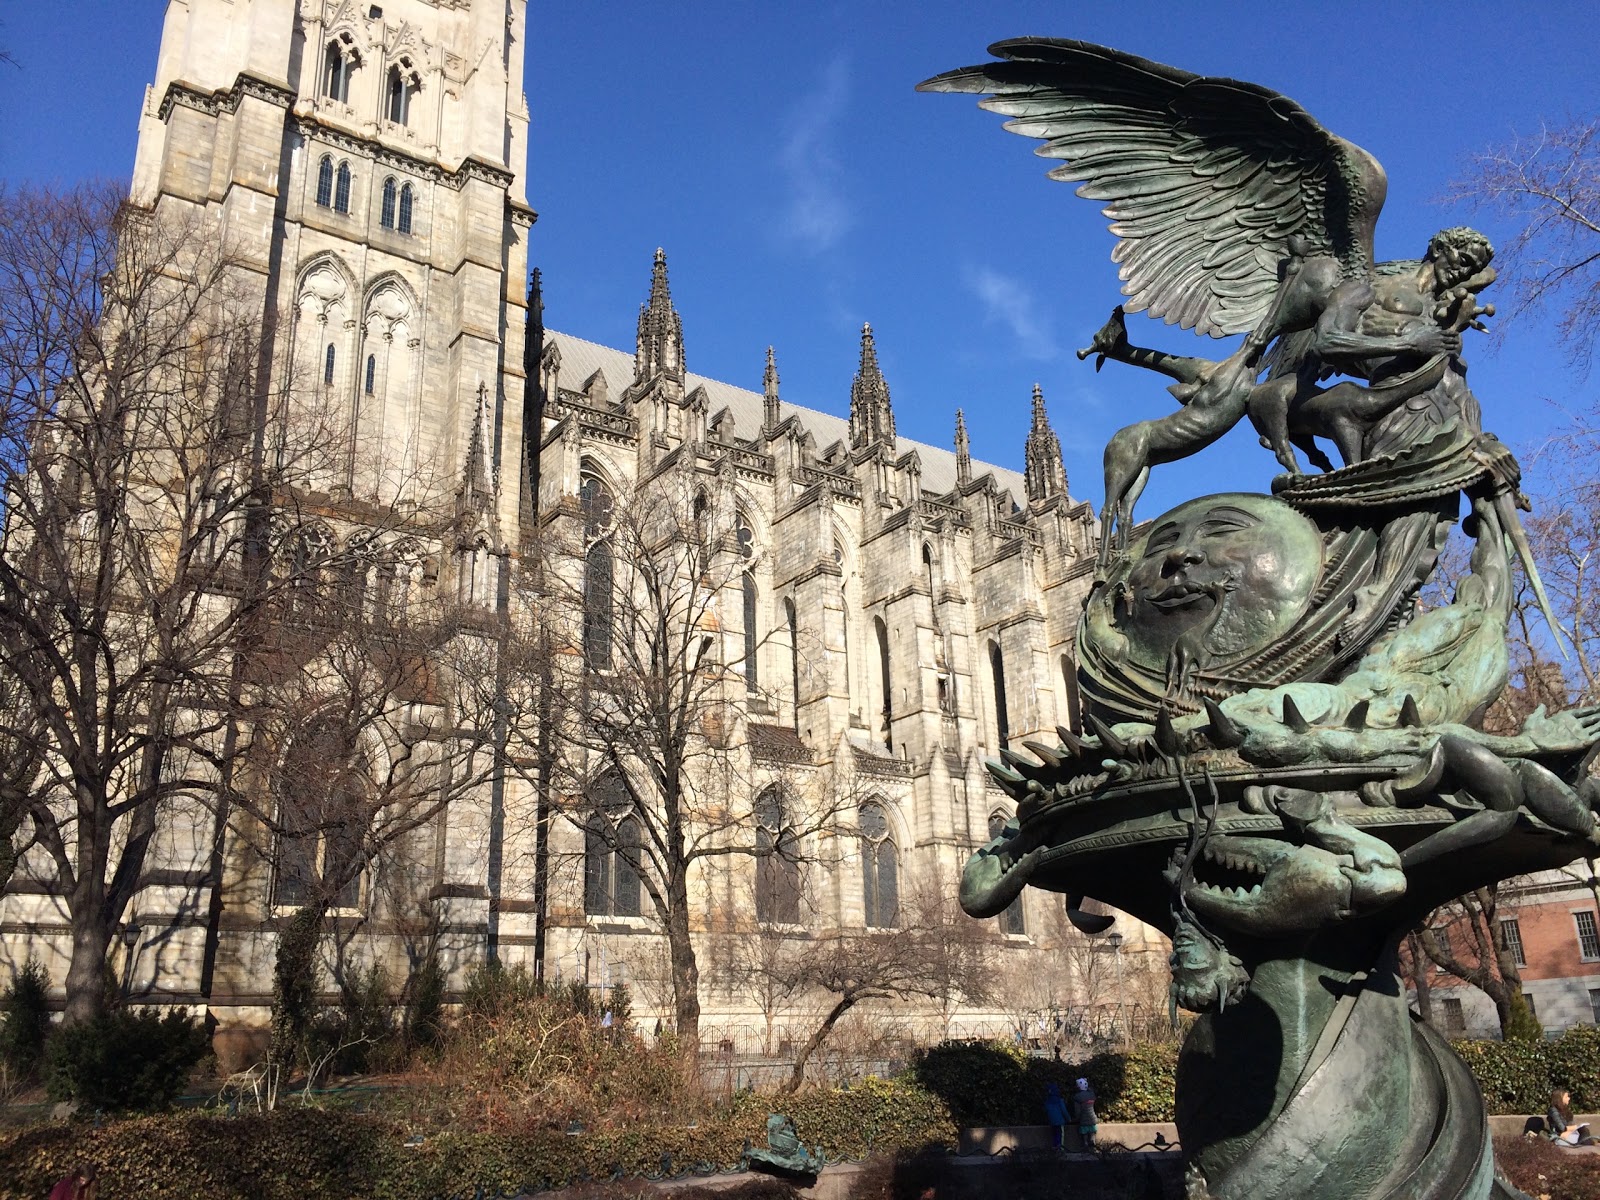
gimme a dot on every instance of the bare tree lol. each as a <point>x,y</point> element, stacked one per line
<point>152,485</point>
<point>626,701</point>
<point>1548,186</point>
<point>1467,940</point>
<point>936,953</point>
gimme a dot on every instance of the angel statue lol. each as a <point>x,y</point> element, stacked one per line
<point>1284,765</point>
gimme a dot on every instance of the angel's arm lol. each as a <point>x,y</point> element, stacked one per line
<point>1340,343</point>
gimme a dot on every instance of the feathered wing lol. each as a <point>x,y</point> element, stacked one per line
<point>1204,179</point>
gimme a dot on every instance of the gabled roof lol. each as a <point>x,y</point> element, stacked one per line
<point>581,358</point>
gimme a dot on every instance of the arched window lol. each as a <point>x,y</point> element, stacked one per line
<point>598,574</point>
<point>372,374</point>
<point>386,211</point>
<point>997,667</point>
<point>1011,920</point>
<point>323,811</point>
<point>883,672</point>
<point>880,869</point>
<point>792,621</point>
<point>406,196</point>
<point>339,64</point>
<point>611,849</point>
<point>327,366</point>
<point>752,641</point>
<point>402,87</point>
<point>928,578</point>
<point>341,189</point>
<point>325,182</point>
<point>777,861</point>
<point>309,554</point>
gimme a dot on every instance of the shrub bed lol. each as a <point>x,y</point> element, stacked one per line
<point>1517,1076</point>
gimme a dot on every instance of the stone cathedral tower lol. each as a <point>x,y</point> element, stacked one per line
<point>367,162</point>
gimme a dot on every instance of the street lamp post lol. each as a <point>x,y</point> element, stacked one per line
<point>130,943</point>
<point>1114,940</point>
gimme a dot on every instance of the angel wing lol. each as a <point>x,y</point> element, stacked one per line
<point>1204,179</point>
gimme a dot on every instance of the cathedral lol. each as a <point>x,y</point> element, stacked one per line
<point>906,611</point>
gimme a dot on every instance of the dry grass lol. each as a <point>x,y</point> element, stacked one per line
<point>1546,1171</point>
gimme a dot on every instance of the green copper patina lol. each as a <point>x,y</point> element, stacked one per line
<point>1285,767</point>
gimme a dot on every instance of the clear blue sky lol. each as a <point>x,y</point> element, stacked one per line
<point>800,186</point>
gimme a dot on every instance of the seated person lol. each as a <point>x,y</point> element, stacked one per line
<point>1558,1121</point>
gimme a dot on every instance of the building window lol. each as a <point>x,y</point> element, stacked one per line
<point>325,182</point>
<point>402,86</point>
<point>1528,1000</point>
<point>309,556</point>
<point>611,849</point>
<point>882,631</point>
<point>927,575</point>
<point>405,208</point>
<point>745,540</point>
<point>794,657</point>
<point>997,666</point>
<point>880,869</point>
<point>339,65</point>
<point>598,574</point>
<point>1455,1021</point>
<point>341,189</point>
<point>372,374</point>
<point>1511,936</point>
<point>1594,1005</point>
<point>327,366</point>
<point>1588,935</point>
<point>322,818</point>
<point>777,861</point>
<point>1011,920</point>
<point>386,212</point>
<point>1069,685</point>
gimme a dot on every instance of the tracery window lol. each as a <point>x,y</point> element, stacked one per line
<point>323,801</point>
<point>341,189</point>
<point>339,65</point>
<point>745,539</point>
<point>611,849</point>
<point>372,374</point>
<point>386,209</point>
<point>1011,920</point>
<point>777,861</point>
<point>325,182</point>
<point>598,574</point>
<point>406,197</point>
<point>327,366</point>
<point>403,85</point>
<point>880,869</point>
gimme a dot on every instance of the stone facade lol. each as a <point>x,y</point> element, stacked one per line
<point>366,165</point>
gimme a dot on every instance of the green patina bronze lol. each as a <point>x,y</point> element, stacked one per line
<point>1285,767</point>
<point>785,1154</point>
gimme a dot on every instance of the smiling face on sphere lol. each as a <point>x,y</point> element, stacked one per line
<point>1233,570</point>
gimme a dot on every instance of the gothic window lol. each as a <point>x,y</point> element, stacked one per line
<point>777,861</point>
<point>372,374</point>
<point>880,869</point>
<point>386,212</point>
<point>406,196</point>
<point>309,554</point>
<point>997,667</point>
<point>611,849</point>
<point>327,366</point>
<point>325,182</point>
<point>402,87</point>
<point>339,64</point>
<point>598,575</point>
<point>322,802</point>
<point>341,189</point>
<point>746,540</point>
<point>883,674</point>
<point>1011,920</point>
<point>794,656</point>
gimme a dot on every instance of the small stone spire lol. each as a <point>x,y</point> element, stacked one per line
<point>769,392</point>
<point>871,417</point>
<point>659,350</point>
<point>963,451</point>
<point>1042,471</point>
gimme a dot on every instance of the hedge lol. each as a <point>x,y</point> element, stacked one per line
<point>335,1154</point>
<point>321,1154</point>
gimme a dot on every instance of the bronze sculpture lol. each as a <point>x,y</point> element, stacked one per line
<point>1286,767</point>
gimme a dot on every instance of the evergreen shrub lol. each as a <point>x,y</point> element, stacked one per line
<point>131,1060</point>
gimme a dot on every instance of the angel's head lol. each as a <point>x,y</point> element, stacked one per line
<point>1457,254</point>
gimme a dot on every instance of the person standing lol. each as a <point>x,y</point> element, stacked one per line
<point>1083,1107</point>
<point>1055,1113</point>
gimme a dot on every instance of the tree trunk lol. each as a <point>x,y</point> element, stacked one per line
<point>685,976</point>
<point>91,939</point>
<point>843,1005</point>
<point>1419,978</point>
